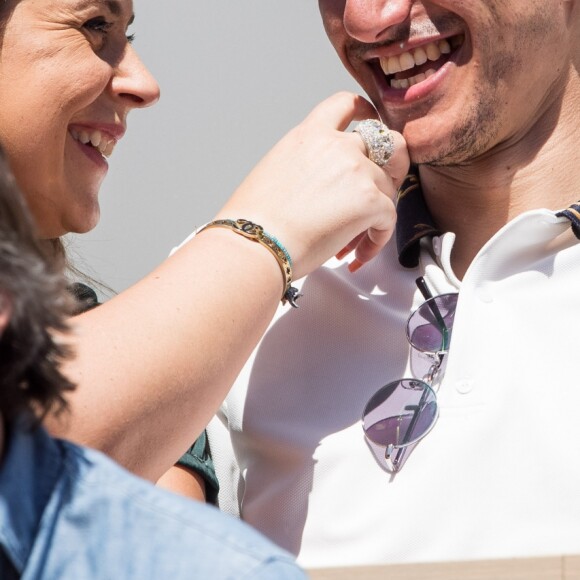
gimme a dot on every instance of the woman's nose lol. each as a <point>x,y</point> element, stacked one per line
<point>133,82</point>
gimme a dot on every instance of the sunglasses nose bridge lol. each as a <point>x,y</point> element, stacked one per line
<point>435,368</point>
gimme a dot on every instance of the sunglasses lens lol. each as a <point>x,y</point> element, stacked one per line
<point>400,413</point>
<point>429,327</point>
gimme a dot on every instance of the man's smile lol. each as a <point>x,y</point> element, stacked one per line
<point>412,67</point>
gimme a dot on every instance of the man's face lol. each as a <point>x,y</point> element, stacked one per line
<point>457,77</point>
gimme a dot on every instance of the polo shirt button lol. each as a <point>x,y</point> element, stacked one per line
<point>464,386</point>
<point>437,246</point>
<point>484,295</point>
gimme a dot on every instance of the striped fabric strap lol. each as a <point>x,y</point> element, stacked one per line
<point>573,214</point>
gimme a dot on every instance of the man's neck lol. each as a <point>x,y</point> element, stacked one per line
<point>476,199</point>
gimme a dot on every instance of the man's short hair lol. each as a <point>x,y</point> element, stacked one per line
<point>30,355</point>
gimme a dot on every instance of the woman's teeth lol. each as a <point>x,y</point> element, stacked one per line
<point>97,139</point>
<point>408,60</point>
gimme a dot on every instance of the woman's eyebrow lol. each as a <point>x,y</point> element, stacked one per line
<point>114,6</point>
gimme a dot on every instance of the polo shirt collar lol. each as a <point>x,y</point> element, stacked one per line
<point>414,221</point>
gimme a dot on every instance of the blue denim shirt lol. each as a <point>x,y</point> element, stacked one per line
<point>67,512</point>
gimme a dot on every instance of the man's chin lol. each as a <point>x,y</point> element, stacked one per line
<point>445,149</point>
<point>429,154</point>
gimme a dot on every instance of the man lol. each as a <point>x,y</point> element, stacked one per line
<point>69,512</point>
<point>486,94</point>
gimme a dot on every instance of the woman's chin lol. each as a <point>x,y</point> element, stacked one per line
<point>79,224</point>
<point>85,226</point>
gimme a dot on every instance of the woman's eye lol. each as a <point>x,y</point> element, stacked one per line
<point>98,25</point>
<point>102,26</point>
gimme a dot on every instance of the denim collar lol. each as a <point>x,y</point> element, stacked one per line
<point>29,472</point>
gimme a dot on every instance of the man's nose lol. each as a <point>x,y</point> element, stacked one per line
<point>368,21</point>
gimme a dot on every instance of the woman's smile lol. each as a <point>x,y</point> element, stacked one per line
<point>96,139</point>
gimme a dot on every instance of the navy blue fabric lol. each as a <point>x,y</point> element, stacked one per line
<point>414,221</point>
<point>573,214</point>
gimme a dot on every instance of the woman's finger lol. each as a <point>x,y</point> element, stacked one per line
<point>378,140</point>
<point>350,247</point>
<point>340,110</point>
<point>398,165</point>
<point>369,246</point>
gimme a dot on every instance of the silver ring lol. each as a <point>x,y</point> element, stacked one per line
<point>377,139</point>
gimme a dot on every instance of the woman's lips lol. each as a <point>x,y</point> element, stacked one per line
<point>103,142</point>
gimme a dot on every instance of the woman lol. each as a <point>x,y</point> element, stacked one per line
<point>154,363</point>
<point>127,528</point>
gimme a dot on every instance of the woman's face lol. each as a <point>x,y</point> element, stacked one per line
<point>68,79</point>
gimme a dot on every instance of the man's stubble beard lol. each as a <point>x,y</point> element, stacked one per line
<point>479,130</point>
<point>469,139</point>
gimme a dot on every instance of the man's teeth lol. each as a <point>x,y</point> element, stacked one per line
<point>406,83</point>
<point>98,140</point>
<point>408,60</point>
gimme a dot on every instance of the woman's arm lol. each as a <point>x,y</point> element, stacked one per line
<point>154,363</point>
<point>184,482</point>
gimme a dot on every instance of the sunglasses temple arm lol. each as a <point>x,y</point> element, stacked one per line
<point>415,418</point>
<point>396,462</point>
<point>424,289</point>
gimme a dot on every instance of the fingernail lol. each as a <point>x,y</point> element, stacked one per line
<point>355,265</point>
<point>344,252</point>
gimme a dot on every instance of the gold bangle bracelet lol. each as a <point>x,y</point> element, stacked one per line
<point>256,233</point>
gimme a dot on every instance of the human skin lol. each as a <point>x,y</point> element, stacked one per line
<point>493,128</point>
<point>153,364</point>
<point>185,482</point>
<point>67,68</point>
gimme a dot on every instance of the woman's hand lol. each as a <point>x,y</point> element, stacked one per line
<point>318,192</point>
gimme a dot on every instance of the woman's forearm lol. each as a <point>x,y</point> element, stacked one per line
<point>152,372</point>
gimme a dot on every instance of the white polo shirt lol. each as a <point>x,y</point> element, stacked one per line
<point>499,474</point>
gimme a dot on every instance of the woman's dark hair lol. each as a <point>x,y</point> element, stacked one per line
<point>32,281</point>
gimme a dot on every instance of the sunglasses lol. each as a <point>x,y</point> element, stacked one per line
<point>401,413</point>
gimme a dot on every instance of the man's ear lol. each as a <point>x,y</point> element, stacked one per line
<point>5,310</point>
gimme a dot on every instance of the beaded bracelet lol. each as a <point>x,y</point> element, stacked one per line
<point>256,233</point>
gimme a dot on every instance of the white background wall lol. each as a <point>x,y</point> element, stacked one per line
<point>235,76</point>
